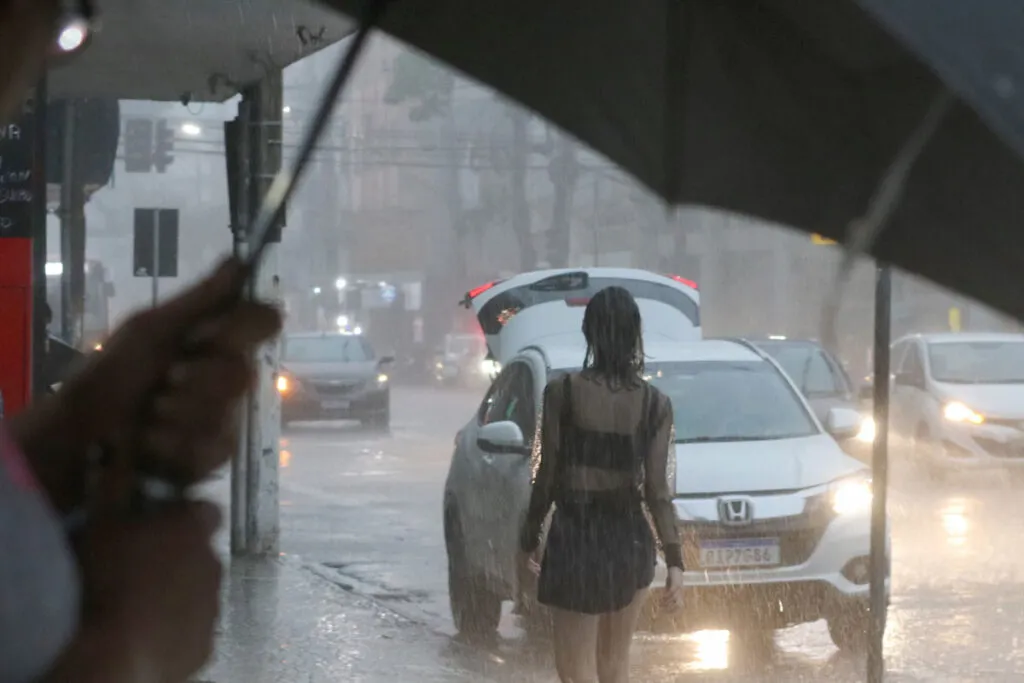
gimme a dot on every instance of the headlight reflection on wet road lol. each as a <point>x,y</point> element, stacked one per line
<point>955,522</point>
<point>710,650</point>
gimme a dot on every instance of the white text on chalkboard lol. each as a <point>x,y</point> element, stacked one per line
<point>11,131</point>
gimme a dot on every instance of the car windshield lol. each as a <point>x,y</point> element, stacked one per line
<point>980,362</point>
<point>731,401</point>
<point>807,366</point>
<point>327,349</point>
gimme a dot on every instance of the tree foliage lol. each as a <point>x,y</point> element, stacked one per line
<point>422,83</point>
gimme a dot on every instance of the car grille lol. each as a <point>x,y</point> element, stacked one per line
<point>337,387</point>
<point>798,535</point>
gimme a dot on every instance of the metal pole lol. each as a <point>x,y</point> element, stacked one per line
<point>39,332</point>
<point>593,219</point>
<point>156,256</point>
<point>264,160</point>
<point>237,161</point>
<point>66,222</point>
<point>880,473</point>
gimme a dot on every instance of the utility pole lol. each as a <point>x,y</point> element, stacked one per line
<point>66,199</point>
<point>236,150</point>
<point>594,229</point>
<point>72,231</point>
<point>265,102</point>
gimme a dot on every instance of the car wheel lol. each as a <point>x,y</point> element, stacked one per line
<point>476,610</point>
<point>534,617</point>
<point>379,421</point>
<point>849,629</point>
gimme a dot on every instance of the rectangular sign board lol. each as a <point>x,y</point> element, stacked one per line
<point>156,243</point>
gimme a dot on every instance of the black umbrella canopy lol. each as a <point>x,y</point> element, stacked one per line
<point>789,110</point>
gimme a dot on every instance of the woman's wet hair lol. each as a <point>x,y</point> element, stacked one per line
<point>615,345</point>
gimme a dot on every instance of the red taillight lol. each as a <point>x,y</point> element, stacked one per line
<point>576,301</point>
<point>474,293</point>
<point>683,281</point>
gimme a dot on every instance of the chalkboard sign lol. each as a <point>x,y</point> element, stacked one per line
<point>17,164</point>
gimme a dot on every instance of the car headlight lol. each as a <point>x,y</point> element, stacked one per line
<point>955,411</point>
<point>382,378</point>
<point>284,384</point>
<point>852,496</point>
<point>490,367</point>
<point>867,431</point>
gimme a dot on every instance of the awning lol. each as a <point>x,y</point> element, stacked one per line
<point>199,50</point>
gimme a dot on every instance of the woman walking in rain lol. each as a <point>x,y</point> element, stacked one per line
<point>605,440</point>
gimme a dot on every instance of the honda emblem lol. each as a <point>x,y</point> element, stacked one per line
<point>735,511</point>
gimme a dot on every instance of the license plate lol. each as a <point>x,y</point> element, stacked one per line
<point>740,552</point>
<point>334,405</point>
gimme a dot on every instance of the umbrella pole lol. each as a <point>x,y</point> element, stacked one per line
<point>860,236</point>
<point>879,560</point>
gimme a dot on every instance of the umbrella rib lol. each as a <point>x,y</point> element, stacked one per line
<point>861,233</point>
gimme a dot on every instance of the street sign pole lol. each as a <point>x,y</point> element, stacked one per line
<point>879,559</point>
<point>156,256</point>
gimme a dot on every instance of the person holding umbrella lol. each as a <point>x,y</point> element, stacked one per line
<point>606,436</point>
<point>124,597</point>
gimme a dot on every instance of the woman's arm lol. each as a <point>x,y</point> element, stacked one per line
<point>657,488</point>
<point>544,479</point>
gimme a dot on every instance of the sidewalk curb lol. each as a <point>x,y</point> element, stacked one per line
<point>354,586</point>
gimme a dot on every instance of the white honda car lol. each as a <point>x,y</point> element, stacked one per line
<point>775,518</point>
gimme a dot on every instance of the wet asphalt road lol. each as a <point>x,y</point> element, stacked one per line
<point>365,509</point>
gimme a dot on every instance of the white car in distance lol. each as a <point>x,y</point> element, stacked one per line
<point>958,401</point>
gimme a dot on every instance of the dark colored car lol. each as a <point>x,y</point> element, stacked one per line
<point>824,382</point>
<point>464,361</point>
<point>334,377</point>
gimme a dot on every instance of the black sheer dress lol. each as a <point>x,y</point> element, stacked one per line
<point>604,466</point>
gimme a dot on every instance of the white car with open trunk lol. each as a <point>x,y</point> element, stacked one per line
<point>774,516</point>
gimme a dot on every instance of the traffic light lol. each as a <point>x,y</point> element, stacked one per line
<point>138,145</point>
<point>164,146</point>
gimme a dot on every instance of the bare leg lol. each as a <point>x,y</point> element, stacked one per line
<point>575,637</point>
<point>615,635</point>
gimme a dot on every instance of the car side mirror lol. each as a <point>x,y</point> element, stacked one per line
<point>386,360</point>
<point>502,437</point>
<point>842,423</point>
